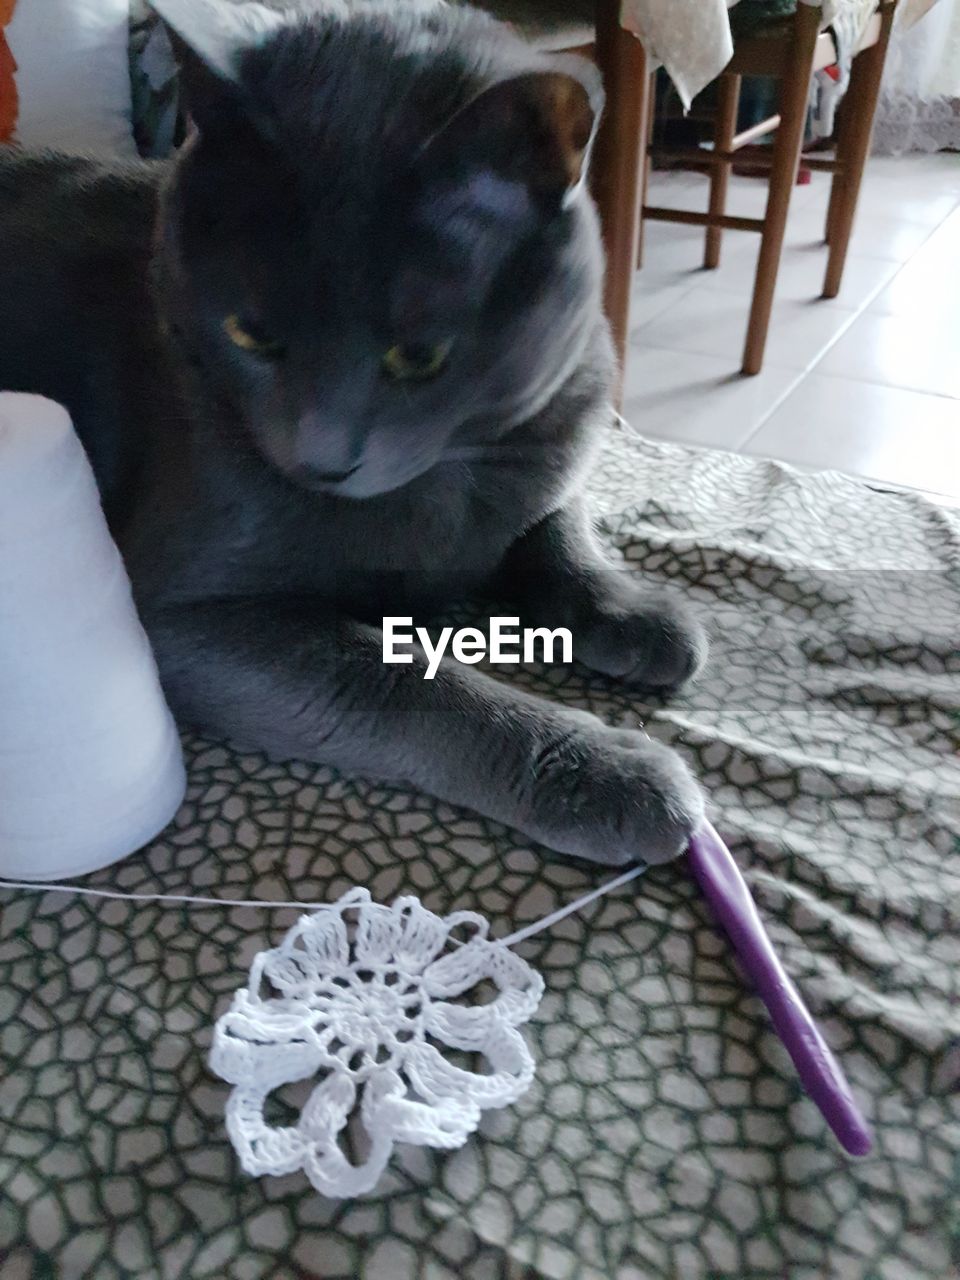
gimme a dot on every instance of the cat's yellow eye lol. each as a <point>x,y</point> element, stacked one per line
<point>416,361</point>
<point>241,336</point>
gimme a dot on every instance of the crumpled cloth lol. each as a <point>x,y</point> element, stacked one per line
<point>691,39</point>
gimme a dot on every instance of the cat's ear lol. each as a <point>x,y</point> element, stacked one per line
<point>218,32</point>
<point>532,133</point>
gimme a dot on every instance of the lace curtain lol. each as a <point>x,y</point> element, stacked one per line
<point>919,106</point>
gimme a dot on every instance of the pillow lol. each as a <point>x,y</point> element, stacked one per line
<point>64,75</point>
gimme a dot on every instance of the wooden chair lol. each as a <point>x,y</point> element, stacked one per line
<point>790,51</point>
<point>618,162</point>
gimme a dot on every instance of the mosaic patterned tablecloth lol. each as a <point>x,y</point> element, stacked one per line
<point>665,1135</point>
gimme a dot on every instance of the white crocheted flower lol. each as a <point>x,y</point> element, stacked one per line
<point>361,996</point>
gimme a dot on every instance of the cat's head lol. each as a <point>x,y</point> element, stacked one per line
<point>377,245</point>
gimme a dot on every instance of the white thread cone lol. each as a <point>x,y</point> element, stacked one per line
<point>90,761</point>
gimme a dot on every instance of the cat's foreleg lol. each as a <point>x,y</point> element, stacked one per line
<point>561,577</point>
<point>316,688</point>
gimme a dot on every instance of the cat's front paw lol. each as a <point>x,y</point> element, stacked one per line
<point>653,642</point>
<point>613,796</point>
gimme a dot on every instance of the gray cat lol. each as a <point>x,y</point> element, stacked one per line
<point>344,357</point>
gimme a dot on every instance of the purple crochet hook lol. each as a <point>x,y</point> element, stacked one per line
<point>726,890</point>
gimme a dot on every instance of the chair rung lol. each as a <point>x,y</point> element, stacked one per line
<point>759,161</point>
<point>695,157</point>
<point>755,131</point>
<point>691,219</point>
<point>706,157</point>
<point>698,158</point>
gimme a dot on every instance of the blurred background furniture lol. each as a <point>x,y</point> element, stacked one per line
<point>789,50</point>
<point>788,42</point>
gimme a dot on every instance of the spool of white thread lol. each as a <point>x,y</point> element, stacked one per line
<point>90,761</point>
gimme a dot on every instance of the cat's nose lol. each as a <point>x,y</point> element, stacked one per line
<point>327,447</point>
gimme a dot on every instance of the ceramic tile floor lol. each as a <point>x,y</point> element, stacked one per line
<point>868,383</point>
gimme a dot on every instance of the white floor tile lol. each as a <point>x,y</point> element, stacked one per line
<point>695,399</point>
<point>926,207</point>
<point>656,291</point>
<point>940,171</point>
<point>945,240</point>
<point>906,350</point>
<point>922,290</point>
<point>669,247</point>
<point>713,322</point>
<point>920,188</point>
<point>875,235</point>
<point>887,433</point>
<point>942,246</point>
<point>862,384</point>
<point>800,278</point>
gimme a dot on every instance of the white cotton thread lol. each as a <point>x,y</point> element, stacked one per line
<point>519,935</point>
<point>42,887</point>
<point>561,913</point>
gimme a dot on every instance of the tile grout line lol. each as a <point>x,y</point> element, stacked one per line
<point>888,386</point>
<point>854,316</point>
<point>778,402</point>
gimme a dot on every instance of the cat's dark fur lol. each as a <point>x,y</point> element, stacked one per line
<point>354,185</point>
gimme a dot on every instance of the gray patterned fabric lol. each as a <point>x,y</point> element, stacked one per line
<point>665,1134</point>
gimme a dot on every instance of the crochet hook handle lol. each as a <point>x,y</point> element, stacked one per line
<point>725,889</point>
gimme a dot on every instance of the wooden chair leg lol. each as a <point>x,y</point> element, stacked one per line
<point>794,95</point>
<point>861,105</point>
<point>725,128</point>
<point>833,205</point>
<point>622,61</point>
<point>651,110</point>
<point>836,184</point>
